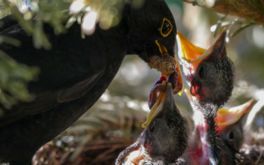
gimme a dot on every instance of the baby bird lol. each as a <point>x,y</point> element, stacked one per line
<point>164,139</point>
<point>209,74</point>
<point>229,137</point>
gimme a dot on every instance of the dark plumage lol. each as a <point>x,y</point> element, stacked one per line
<point>230,123</point>
<point>209,72</point>
<point>210,76</point>
<point>228,138</point>
<point>75,72</point>
<point>230,131</point>
<point>165,138</point>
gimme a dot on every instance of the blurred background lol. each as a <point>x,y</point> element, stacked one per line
<point>115,120</point>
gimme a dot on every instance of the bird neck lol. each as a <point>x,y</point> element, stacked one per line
<point>203,117</point>
<point>211,138</point>
<point>200,147</point>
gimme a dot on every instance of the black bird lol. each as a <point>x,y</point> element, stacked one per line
<point>75,72</point>
<point>164,139</point>
<point>210,76</point>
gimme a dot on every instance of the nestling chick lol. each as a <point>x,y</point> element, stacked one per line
<point>208,72</point>
<point>229,137</point>
<point>164,139</point>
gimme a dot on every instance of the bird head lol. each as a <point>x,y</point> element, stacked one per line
<point>229,124</point>
<point>166,135</point>
<point>152,35</point>
<point>208,72</point>
<point>164,139</point>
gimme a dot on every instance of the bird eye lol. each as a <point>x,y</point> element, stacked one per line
<point>166,27</point>
<point>152,126</point>
<point>201,72</point>
<point>231,135</point>
<point>170,123</point>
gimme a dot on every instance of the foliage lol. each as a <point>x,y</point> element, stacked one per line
<point>13,80</point>
<point>13,76</point>
<point>50,12</point>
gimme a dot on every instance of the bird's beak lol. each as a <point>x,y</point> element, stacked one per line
<point>226,117</point>
<point>164,94</point>
<point>194,55</point>
<point>168,66</point>
<point>162,61</point>
<point>189,52</point>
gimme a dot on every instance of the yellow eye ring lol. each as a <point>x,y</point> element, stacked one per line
<point>166,27</point>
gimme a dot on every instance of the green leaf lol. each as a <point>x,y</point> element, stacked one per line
<point>13,81</point>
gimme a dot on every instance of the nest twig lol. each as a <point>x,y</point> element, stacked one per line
<point>249,9</point>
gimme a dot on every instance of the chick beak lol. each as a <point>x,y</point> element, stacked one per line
<point>217,50</point>
<point>190,53</point>
<point>194,55</point>
<point>226,117</point>
<point>164,96</point>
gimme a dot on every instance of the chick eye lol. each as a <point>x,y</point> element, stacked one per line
<point>171,123</point>
<point>231,135</point>
<point>152,126</point>
<point>166,27</point>
<point>201,72</point>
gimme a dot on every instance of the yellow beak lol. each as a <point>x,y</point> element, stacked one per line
<point>156,108</point>
<point>226,117</point>
<point>190,52</point>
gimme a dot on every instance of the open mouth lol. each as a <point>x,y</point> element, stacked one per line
<point>189,54</point>
<point>228,116</point>
<point>159,93</point>
<point>164,93</point>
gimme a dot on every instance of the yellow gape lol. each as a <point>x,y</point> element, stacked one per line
<point>166,27</point>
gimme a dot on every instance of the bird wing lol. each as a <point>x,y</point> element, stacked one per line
<point>66,73</point>
<point>48,100</point>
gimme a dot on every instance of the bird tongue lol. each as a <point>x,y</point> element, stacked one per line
<point>194,89</point>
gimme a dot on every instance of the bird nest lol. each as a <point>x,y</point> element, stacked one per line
<point>103,132</point>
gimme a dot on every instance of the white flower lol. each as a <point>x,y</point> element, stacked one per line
<point>89,22</point>
<point>76,6</point>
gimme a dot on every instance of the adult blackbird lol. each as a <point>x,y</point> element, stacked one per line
<point>75,72</point>
<point>210,76</point>
<point>164,139</point>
